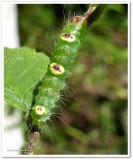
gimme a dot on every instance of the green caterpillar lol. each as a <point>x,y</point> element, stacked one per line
<point>59,69</point>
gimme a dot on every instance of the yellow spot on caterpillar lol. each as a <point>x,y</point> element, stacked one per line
<point>40,110</point>
<point>69,37</point>
<point>56,69</point>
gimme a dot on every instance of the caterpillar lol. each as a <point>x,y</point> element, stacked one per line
<point>59,69</point>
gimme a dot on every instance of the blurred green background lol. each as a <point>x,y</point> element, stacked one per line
<point>93,119</point>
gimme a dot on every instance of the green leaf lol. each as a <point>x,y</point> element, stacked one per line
<point>23,69</point>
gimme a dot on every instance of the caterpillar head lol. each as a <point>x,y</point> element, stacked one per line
<point>77,19</point>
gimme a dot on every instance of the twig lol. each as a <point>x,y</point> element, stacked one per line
<point>32,140</point>
<point>33,136</point>
<point>93,13</point>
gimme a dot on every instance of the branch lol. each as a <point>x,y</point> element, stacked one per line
<point>94,12</point>
<point>32,140</point>
<point>33,136</point>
